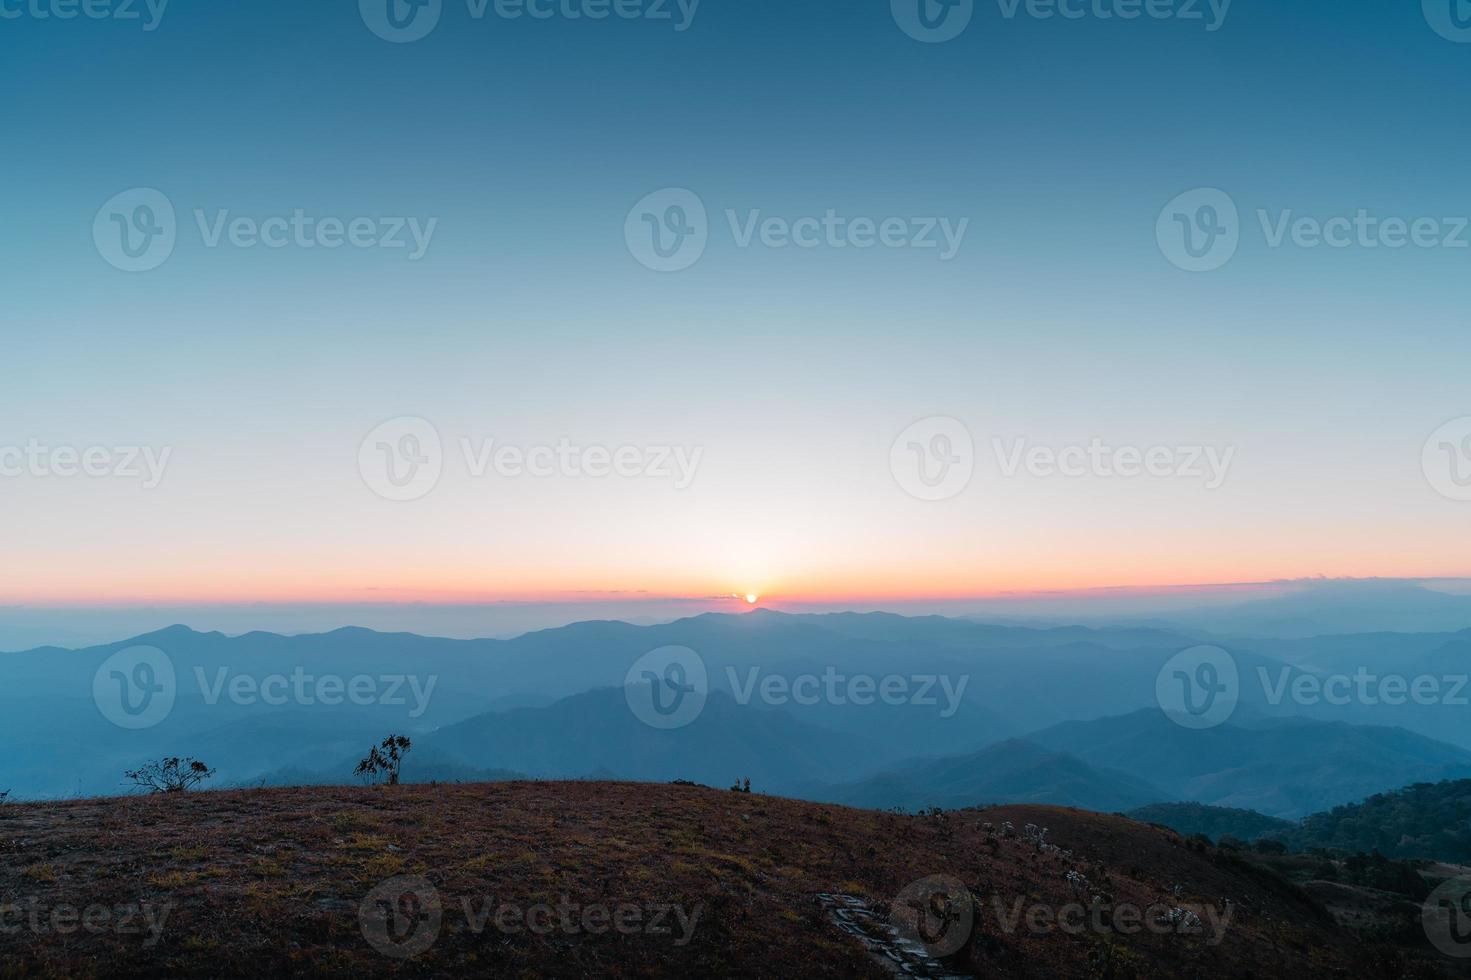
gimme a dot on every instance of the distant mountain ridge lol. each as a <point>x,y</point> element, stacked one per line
<point>1013,771</point>
<point>1285,768</point>
<point>1021,683</point>
<point>1214,822</point>
<point>595,731</point>
<point>1329,607</point>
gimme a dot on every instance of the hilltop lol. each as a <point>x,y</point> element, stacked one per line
<point>1421,822</point>
<point>277,881</point>
<point>1214,822</point>
<point>1429,821</point>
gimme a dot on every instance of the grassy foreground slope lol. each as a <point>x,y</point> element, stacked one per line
<point>276,882</point>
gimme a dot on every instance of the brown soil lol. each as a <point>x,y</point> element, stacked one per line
<point>701,882</point>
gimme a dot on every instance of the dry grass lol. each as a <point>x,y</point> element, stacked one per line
<point>270,882</point>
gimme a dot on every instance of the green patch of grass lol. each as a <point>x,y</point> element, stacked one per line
<point>41,872</point>
<point>188,854</point>
<point>365,842</point>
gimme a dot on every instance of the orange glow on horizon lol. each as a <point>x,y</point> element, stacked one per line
<point>854,590</point>
<point>781,553</point>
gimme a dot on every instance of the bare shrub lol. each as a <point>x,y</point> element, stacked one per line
<point>384,760</point>
<point>170,775</point>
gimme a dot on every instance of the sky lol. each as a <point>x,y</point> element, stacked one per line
<point>835,423</point>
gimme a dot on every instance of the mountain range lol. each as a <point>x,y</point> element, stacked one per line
<point>1052,715</point>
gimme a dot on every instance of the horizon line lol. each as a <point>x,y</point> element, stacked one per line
<point>775,598</point>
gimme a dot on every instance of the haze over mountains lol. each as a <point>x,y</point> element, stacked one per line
<point>1294,609</point>
<point>1330,607</point>
<point>988,713</point>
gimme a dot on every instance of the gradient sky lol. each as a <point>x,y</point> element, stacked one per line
<point>529,321</point>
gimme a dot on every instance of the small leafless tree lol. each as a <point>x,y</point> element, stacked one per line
<point>384,760</point>
<point>171,775</point>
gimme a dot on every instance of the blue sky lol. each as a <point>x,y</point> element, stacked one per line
<point>527,319</point>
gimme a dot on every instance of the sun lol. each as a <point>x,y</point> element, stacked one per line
<point>751,598</point>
